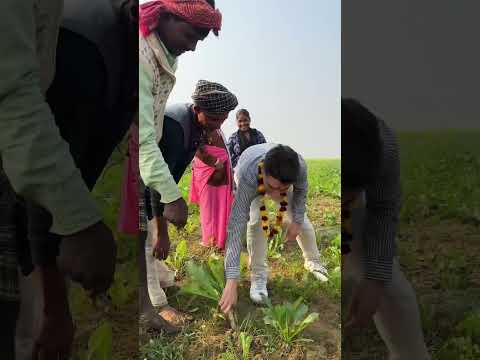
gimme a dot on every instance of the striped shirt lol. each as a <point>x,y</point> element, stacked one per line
<point>9,290</point>
<point>383,203</point>
<point>246,174</point>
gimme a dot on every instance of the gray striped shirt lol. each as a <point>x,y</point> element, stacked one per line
<point>246,174</point>
<point>383,203</point>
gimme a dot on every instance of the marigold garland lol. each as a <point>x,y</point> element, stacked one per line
<point>269,229</point>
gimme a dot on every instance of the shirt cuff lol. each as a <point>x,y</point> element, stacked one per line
<point>72,206</point>
<point>232,273</point>
<point>171,195</point>
<point>166,187</point>
<point>299,218</point>
<point>379,269</point>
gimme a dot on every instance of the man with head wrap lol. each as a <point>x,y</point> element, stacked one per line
<point>184,131</point>
<point>168,28</point>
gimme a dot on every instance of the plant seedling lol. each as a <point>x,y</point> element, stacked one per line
<point>207,280</point>
<point>289,320</point>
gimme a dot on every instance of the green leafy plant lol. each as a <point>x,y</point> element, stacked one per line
<point>207,280</point>
<point>331,256</point>
<point>461,348</point>
<point>470,327</point>
<point>333,286</point>
<point>452,269</point>
<point>246,343</point>
<point>100,343</point>
<point>337,241</point>
<point>289,320</point>
<point>427,313</point>
<point>178,257</point>
<point>330,218</point>
<point>125,285</point>
<point>275,247</point>
<point>204,280</point>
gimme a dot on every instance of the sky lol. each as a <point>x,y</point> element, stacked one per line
<point>414,63</point>
<point>282,60</point>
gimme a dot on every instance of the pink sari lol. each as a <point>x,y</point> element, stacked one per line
<point>129,218</point>
<point>215,201</point>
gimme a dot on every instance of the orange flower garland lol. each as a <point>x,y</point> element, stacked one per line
<point>268,229</point>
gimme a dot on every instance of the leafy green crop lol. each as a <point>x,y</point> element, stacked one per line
<point>470,327</point>
<point>178,257</point>
<point>276,246</point>
<point>206,279</point>
<point>324,177</point>
<point>289,320</point>
<point>246,343</point>
<point>461,348</point>
<point>100,343</point>
<point>330,218</point>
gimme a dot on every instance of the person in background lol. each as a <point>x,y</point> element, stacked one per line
<point>244,137</point>
<point>214,195</point>
<point>371,202</point>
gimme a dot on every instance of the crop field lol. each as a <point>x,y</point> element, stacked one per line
<point>261,333</point>
<point>439,244</point>
<point>108,328</point>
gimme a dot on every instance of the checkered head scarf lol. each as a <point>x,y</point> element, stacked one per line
<point>214,98</point>
<point>198,13</point>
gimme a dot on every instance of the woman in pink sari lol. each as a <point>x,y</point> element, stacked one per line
<point>211,188</point>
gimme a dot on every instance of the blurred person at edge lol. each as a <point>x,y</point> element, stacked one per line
<point>47,177</point>
<point>371,201</point>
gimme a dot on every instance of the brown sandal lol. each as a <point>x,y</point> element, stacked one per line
<point>173,316</point>
<point>154,322</point>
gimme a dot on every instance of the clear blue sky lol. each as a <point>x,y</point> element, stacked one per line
<point>282,60</point>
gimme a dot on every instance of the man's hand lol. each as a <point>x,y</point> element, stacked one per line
<point>89,256</point>
<point>366,299</point>
<point>293,231</point>
<point>160,238</point>
<point>176,212</point>
<point>229,297</point>
<point>56,335</point>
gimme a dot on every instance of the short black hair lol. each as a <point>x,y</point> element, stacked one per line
<point>361,146</point>
<point>243,112</point>
<point>283,164</point>
<point>212,3</point>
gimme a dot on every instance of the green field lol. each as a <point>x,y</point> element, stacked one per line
<point>439,243</point>
<point>110,328</point>
<point>209,337</point>
<point>439,248</point>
